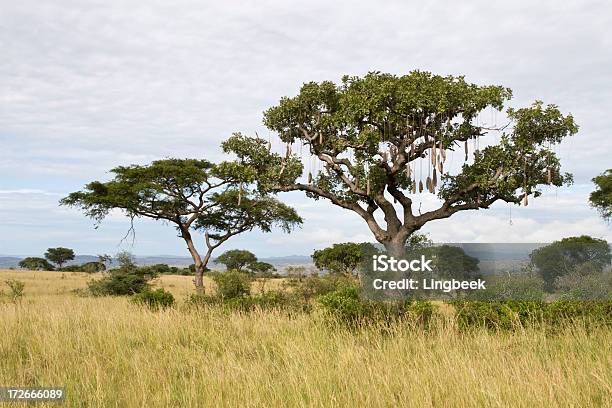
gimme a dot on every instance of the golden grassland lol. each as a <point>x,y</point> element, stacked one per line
<point>110,352</point>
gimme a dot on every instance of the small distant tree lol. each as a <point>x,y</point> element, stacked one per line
<point>161,268</point>
<point>35,264</point>
<point>295,272</point>
<point>92,267</point>
<point>105,259</point>
<point>343,259</point>
<point>59,255</point>
<point>16,287</point>
<point>126,260</point>
<point>192,195</point>
<point>583,254</point>
<point>261,268</point>
<point>236,259</point>
<point>452,262</point>
<point>127,279</point>
<point>601,198</point>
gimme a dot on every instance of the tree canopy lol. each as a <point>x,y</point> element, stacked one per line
<point>569,255</point>
<point>35,264</point>
<point>236,259</point>
<point>601,198</point>
<point>261,268</point>
<point>343,259</point>
<point>59,255</point>
<point>382,139</point>
<point>193,195</point>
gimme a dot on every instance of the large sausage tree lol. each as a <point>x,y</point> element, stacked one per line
<point>383,139</point>
<point>194,195</point>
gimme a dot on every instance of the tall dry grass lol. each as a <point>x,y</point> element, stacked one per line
<point>109,352</point>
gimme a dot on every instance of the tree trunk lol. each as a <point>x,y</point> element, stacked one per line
<point>394,248</point>
<point>199,279</point>
<point>200,266</point>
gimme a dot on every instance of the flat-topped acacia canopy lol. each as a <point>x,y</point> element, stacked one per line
<point>194,195</point>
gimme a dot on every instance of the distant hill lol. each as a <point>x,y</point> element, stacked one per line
<point>180,261</point>
<point>494,258</point>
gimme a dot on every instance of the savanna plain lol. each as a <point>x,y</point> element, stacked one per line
<point>110,352</point>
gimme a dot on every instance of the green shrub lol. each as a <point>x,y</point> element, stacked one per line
<point>16,289</point>
<point>491,315</point>
<point>232,284</point>
<point>159,268</point>
<point>154,299</point>
<point>71,268</point>
<point>271,300</point>
<point>511,286</point>
<point>344,305</point>
<point>127,279</point>
<point>590,312</point>
<point>347,306</point>
<point>585,286</point>
<point>510,315</point>
<point>313,286</point>
<point>419,312</point>
<point>119,283</point>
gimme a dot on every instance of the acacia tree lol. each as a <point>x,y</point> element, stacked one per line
<point>373,134</point>
<point>59,255</point>
<point>35,264</point>
<point>194,196</point>
<point>236,259</point>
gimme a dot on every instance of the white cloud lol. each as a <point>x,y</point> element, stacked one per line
<point>88,86</point>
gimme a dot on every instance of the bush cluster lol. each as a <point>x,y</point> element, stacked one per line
<point>154,299</point>
<point>508,315</point>
<point>347,306</point>
<point>127,279</point>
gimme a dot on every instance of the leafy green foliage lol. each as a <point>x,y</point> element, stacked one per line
<point>344,305</point>
<point>310,287</point>
<point>127,279</point>
<point>35,264</point>
<point>497,315</point>
<point>89,267</point>
<point>59,256</point>
<point>160,268</point>
<point>154,299</point>
<point>512,286</point>
<point>343,259</point>
<point>601,198</point>
<point>193,195</point>
<point>119,283</point>
<point>592,285</point>
<point>271,300</point>
<point>512,315</point>
<point>369,131</point>
<point>17,288</point>
<point>236,259</point>
<point>452,262</point>
<point>347,307</point>
<point>94,266</point>
<point>263,269</point>
<point>232,284</point>
<point>570,255</point>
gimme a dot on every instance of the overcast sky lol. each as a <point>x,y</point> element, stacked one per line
<point>85,86</point>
